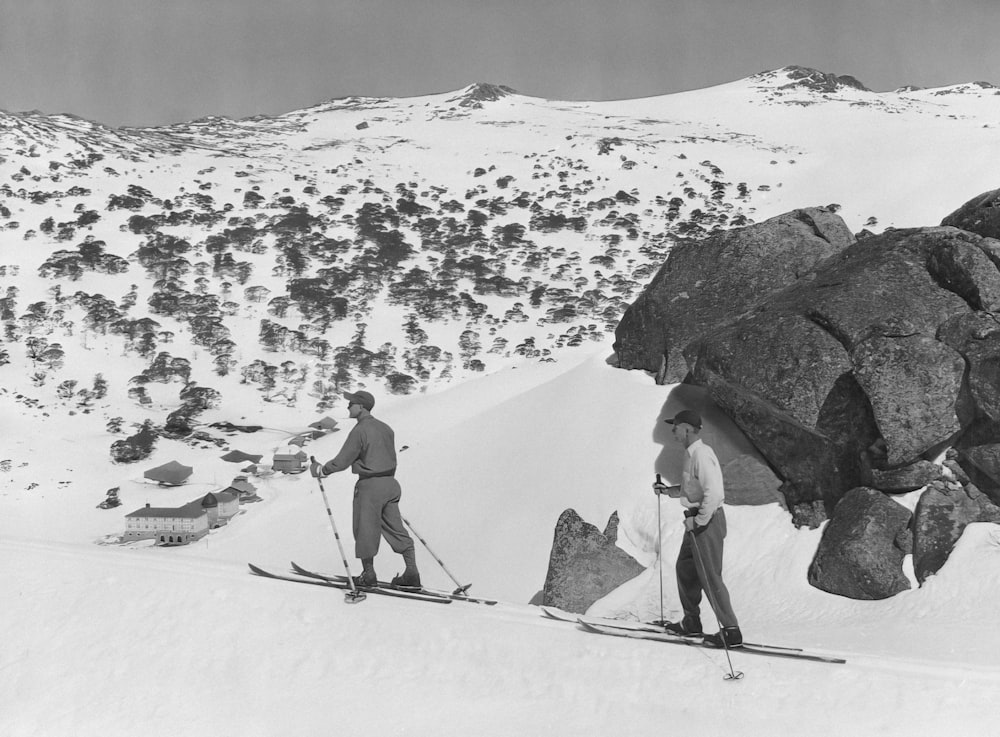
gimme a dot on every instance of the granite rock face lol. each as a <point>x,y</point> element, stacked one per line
<point>585,564</point>
<point>942,514</point>
<point>850,365</point>
<point>707,283</point>
<point>860,555</point>
<point>889,340</point>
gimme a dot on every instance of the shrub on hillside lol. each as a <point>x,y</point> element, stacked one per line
<point>399,383</point>
<point>135,447</point>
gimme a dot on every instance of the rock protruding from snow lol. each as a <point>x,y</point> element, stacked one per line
<point>475,95</point>
<point>861,552</point>
<point>811,79</point>
<point>585,564</point>
<point>945,509</point>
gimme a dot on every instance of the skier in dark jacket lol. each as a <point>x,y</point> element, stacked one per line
<point>370,452</point>
<point>699,562</point>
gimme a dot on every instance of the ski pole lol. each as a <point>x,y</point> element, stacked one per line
<point>659,549</point>
<point>733,675</point>
<point>354,595</point>
<point>461,590</point>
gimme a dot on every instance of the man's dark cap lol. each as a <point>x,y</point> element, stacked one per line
<point>688,417</point>
<point>363,398</point>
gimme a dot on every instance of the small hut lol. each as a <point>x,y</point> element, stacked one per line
<point>326,424</point>
<point>169,474</point>
<point>289,461</point>
<point>238,456</point>
<point>244,490</point>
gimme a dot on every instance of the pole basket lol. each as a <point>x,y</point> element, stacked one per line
<point>356,597</point>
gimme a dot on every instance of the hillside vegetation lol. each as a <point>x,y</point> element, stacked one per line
<point>397,245</point>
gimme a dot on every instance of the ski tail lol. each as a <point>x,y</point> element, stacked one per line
<point>345,586</point>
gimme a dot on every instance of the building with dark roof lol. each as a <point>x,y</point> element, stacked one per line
<point>168,525</point>
<point>289,462</point>
<point>221,506</point>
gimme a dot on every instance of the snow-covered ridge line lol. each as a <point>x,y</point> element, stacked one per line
<point>477,95</point>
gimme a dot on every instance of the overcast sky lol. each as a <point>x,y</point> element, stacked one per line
<point>147,62</point>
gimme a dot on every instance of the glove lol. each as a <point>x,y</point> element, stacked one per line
<point>316,469</point>
<point>659,488</point>
<point>689,524</point>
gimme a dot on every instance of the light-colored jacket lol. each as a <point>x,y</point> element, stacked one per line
<point>701,483</point>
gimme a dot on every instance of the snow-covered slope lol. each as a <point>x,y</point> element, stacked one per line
<point>110,640</point>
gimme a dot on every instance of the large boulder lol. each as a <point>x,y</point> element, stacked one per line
<point>850,354</point>
<point>786,384</point>
<point>979,215</point>
<point>901,480</point>
<point>707,283</point>
<point>861,552</point>
<point>944,511</point>
<point>585,564</point>
<point>981,463</point>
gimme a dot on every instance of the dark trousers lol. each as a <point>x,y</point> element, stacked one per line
<point>376,515</point>
<point>701,570</point>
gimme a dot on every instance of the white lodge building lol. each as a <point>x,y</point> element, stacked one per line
<point>168,525</point>
<point>182,525</point>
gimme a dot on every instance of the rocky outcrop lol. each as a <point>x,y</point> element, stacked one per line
<point>585,564</point>
<point>980,215</point>
<point>944,511</point>
<point>861,552</point>
<point>817,81</point>
<point>850,355</point>
<point>475,95</point>
<point>982,465</point>
<point>848,364</point>
<point>901,480</point>
<point>707,283</point>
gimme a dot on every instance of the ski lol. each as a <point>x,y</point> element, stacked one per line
<point>626,624</point>
<point>344,585</point>
<point>386,585</point>
<point>636,626</point>
<point>754,649</point>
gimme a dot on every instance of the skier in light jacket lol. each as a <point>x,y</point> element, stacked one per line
<point>699,562</point>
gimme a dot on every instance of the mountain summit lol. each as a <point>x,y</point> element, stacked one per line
<point>811,79</point>
<point>476,94</point>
